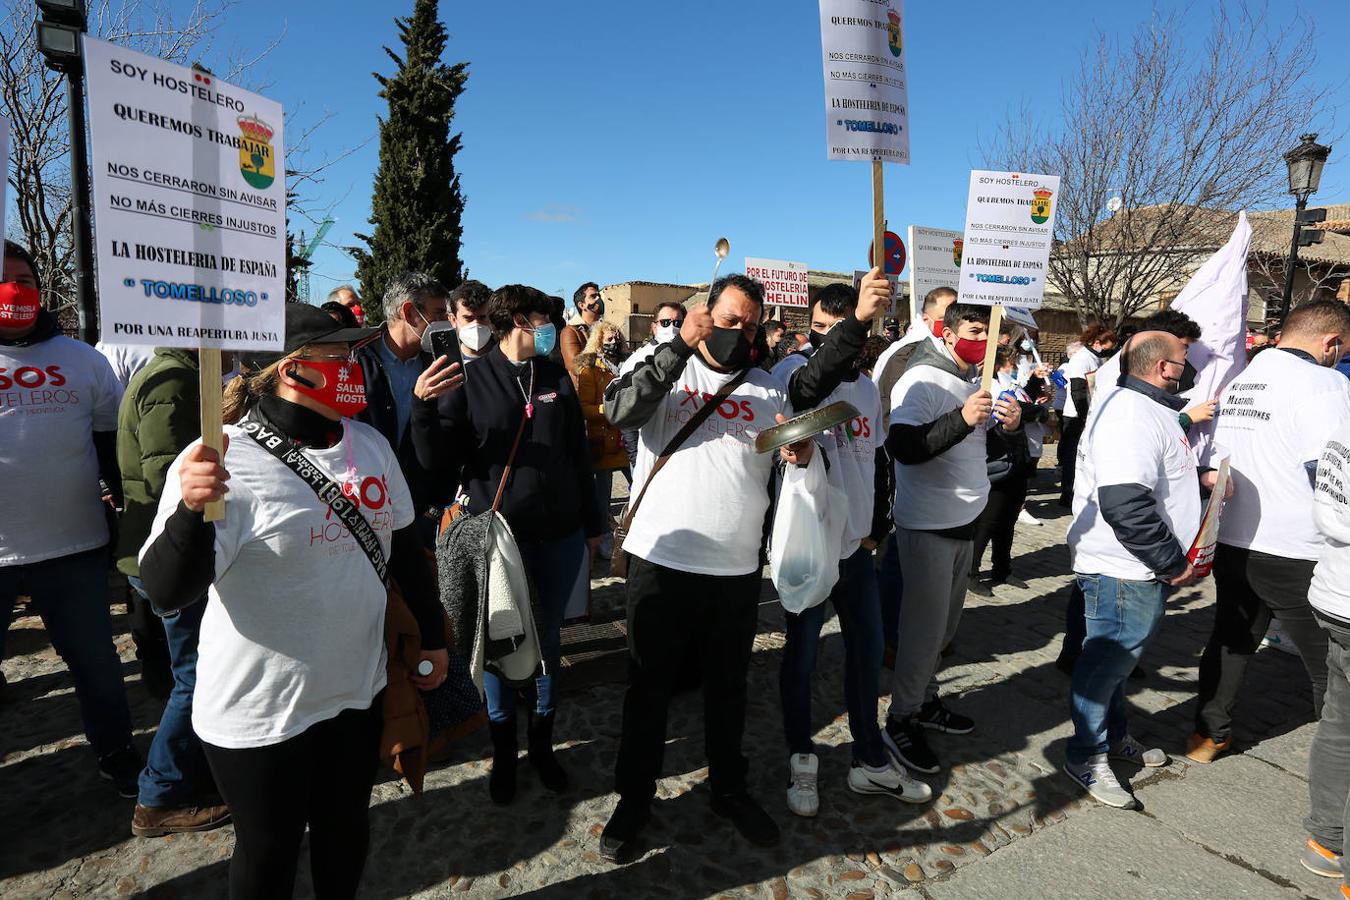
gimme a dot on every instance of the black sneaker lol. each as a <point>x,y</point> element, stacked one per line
<point>907,745</point>
<point>980,588</point>
<point>1012,581</point>
<point>123,769</point>
<point>749,817</point>
<point>936,717</point>
<point>618,842</point>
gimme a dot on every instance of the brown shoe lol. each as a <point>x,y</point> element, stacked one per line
<point>1203,750</point>
<point>155,821</point>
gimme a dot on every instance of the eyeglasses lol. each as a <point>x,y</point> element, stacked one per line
<point>666,323</point>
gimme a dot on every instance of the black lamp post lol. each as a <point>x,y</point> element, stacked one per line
<point>1305,164</point>
<point>58,35</point>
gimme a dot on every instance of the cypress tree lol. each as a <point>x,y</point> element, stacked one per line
<point>416,205</point>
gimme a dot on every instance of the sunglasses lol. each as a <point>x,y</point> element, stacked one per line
<point>666,323</point>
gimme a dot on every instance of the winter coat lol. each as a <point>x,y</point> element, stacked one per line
<point>605,441</point>
<point>159,416</point>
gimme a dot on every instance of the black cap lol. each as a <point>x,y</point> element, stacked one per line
<point>891,322</point>
<point>306,325</point>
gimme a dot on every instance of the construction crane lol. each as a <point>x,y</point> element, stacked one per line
<point>307,254</point>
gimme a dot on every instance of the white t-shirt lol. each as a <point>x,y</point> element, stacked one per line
<point>851,449</point>
<point>126,359</point>
<point>293,631</point>
<point>705,510</point>
<point>1080,365</point>
<point>53,396</point>
<point>1108,373</point>
<point>1330,588</point>
<point>1275,416</point>
<point>1131,439</point>
<point>949,490</point>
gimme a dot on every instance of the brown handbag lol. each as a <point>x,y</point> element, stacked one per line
<point>618,561</point>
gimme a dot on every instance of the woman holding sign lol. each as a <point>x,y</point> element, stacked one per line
<point>291,666</point>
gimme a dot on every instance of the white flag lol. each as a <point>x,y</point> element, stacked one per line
<point>1216,298</point>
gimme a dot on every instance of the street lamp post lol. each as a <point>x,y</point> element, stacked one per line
<point>1305,164</point>
<point>58,34</point>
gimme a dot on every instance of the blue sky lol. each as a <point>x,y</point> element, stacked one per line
<point>614,141</point>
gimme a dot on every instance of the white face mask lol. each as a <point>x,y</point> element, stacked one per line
<point>475,336</point>
<point>665,334</point>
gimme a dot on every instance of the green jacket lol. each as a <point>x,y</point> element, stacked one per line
<point>159,416</point>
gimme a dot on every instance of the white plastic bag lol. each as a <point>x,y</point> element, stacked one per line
<point>509,614</point>
<point>808,535</point>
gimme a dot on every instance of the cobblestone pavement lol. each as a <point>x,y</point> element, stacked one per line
<point>64,833</point>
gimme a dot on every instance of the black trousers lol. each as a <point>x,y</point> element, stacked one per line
<point>995,524</point>
<point>1251,588</point>
<point>322,778</point>
<point>669,613</point>
<point>1070,432</point>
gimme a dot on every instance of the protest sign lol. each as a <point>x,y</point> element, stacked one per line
<point>1009,231</point>
<point>189,205</point>
<point>866,97</point>
<point>784,282</point>
<point>1201,554</point>
<point>934,262</point>
<point>894,308</point>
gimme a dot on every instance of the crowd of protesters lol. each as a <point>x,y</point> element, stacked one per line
<point>293,638</point>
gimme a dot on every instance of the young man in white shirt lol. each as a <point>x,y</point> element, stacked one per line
<point>1274,419</point>
<point>58,436</point>
<point>1136,511</point>
<point>1328,818</point>
<point>840,320</point>
<point>937,437</point>
<point>694,549</point>
<point>468,309</point>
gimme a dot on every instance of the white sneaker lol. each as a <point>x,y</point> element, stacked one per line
<point>1095,776</point>
<point>1130,750</point>
<point>802,797</point>
<point>894,781</point>
<point>1026,518</point>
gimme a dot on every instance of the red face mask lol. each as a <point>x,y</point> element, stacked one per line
<point>970,352</point>
<point>344,385</point>
<point>937,329</point>
<point>19,305</point>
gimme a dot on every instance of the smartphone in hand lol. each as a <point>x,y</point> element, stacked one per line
<point>441,339</point>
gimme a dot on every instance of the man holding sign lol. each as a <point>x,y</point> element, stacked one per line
<point>1136,509</point>
<point>937,436</point>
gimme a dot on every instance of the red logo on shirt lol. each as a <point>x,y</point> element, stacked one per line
<point>31,377</point>
<point>860,427</point>
<point>371,493</point>
<point>728,409</point>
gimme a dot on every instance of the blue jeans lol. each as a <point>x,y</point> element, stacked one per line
<point>70,593</point>
<point>1121,617</point>
<point>892,585</point>
<point>858,604</point>
<point>552,567</point>
<point>176,771</point>
<point>604,493</point>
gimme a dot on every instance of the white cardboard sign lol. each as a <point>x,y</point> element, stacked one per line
<point>189,205</point>
<point>866,94</point>
<point>934,262</point>
<point>1010,225</point>
<point>784,282</point>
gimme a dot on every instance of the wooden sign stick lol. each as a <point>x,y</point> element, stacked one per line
<point>208,385</point>
<point>878,229</point>
<point>990,351</point>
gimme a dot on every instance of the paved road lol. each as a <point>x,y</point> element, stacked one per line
<point>1005,823</point>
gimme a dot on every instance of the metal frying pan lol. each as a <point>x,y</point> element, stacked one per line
<point>808,424</point>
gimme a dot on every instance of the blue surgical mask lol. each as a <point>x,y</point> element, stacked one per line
<point>545,338</point>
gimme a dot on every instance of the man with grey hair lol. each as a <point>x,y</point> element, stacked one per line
<point>1136,510</point>
<point>347,296</point>
<point>392,366</point>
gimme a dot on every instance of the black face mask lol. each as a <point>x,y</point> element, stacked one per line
<point>815,339</point>
<point>1187,380</point>
<point>610,351</point>
<point>728,348</point>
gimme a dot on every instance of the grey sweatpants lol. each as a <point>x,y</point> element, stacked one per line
<point>934,572</point>
<point>1329,759</point>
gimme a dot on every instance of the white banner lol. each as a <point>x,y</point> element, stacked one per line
<point>866,98</point>
<point>784,282</point>
<point>4,178</point>
<point>1010,225</point>
<point>189,205</point>
<point>934,262</point>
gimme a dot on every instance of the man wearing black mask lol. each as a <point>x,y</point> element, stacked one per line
<point>693,577</point>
